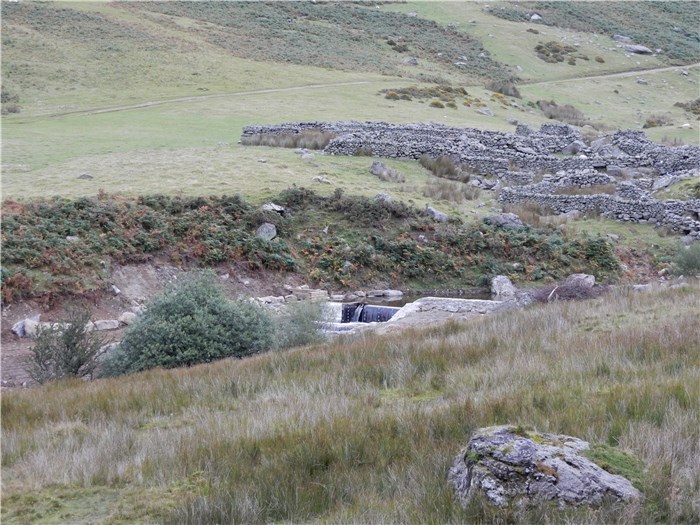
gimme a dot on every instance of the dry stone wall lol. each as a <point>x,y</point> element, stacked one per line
<point>517,159</point>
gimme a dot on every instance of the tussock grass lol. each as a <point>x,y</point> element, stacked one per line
<point>452,191</point>
<point>365,429</point>
<point>310,138</point>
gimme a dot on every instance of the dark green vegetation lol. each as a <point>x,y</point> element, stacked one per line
<point>670,26</point>
<point>687,260</point>
<point>335,35</point>
<point>364,431</point>
<point>66,349</point>
<point>59,244</point>
<point>693,106</point>
<point>192,322</point>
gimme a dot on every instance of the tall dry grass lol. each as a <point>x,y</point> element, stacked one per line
<point>364,430</point>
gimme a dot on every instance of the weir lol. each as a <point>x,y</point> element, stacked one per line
<point>366,313</point>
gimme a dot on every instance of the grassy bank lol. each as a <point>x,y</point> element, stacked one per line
<point>364,430</point>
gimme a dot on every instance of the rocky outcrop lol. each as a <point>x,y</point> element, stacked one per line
<point>502,288</point>
<point>511,466</point>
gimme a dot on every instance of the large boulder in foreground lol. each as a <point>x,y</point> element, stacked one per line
<point>510,466</point>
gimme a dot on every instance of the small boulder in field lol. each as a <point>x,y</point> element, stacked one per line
<point>508,465</point>
<point>266,231</point>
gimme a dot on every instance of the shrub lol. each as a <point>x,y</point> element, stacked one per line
<point>192,322</point>
<point>437,104</point>
<point>505,87</point>
<point>687,260</point>
<point>444,167</point>
<point>363,151</point>
<point>300,324</point>
<point>656,121</point>
<point>566,113</point>
<point>600,59</point>
<point>392,95</point>
<point>692,105</point>
<point>9,101</point>
<point>67,348</point>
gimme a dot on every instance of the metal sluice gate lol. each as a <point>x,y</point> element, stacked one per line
<point>367,313</point>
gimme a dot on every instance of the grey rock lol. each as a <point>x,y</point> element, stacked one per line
<point>622,39</point>
<point>320,179</point>
<point>485,111</point>
<point>411,61</point>
<point>383,197</point>
<point>508,221</point>
<point>271,206</point>
<point>436,214</point>
<point>583,280</point>
<point>266,231</point>
<point>642,81</point>
<point>107,324</point>
<point>377,168</point>
<point>535,17</point>
<point>72,238</point>
<point>31,327</point>
<point>86,176</point>
<point>509,466</point>
<point>115,290</point>
<point>385,293</point>
<point>574,148</point>
<point>637,49</point>
<point>502,287</point>
<point>18,328</point>
<point>307,156</point>
<point>128,318</point>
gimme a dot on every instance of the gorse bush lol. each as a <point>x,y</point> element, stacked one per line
<point>68,348</point>
<point>504,87</point>
<point>192,322</point>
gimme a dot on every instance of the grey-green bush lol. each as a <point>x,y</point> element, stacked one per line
<point>65,349</point>
<point>300,324</point>
<point>190,323</point>
<point>687,260</point>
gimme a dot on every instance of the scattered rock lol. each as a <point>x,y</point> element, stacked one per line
<point>266,231</point>
<point>435,214</point>
<point>395,294</point>
<point>637,49</point>
<point>320,180</point>
<point>642,81</point>
<point>485,111</point>
<point>115,290</point>
<point>622,39</point>
<point>271,206</point>
<point>508,221</point>
<point>307,156</point>
<point>535,16</point>
<point>18,328</point>
<point>582,280</point>
<point>270,299</point>
<point>574,148</point>
<point>411,61</point>
<point>383,197</point>
<point>86,176</point>
<point>511,466</point>
<point>72,238</point>
<point>107,324</point>
<point>502,288</point>
<point>127,318</point>
<point>262,161</point>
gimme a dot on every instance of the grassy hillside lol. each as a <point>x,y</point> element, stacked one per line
<point>669,26</point>
<point>364,430</point>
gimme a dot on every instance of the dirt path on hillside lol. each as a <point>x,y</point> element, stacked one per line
<point>621,74</point>
<point>192,98</point>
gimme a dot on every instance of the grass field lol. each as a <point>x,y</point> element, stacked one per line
<point>365,429</point>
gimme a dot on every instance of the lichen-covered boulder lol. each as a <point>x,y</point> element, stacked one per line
<point>511,466</point>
